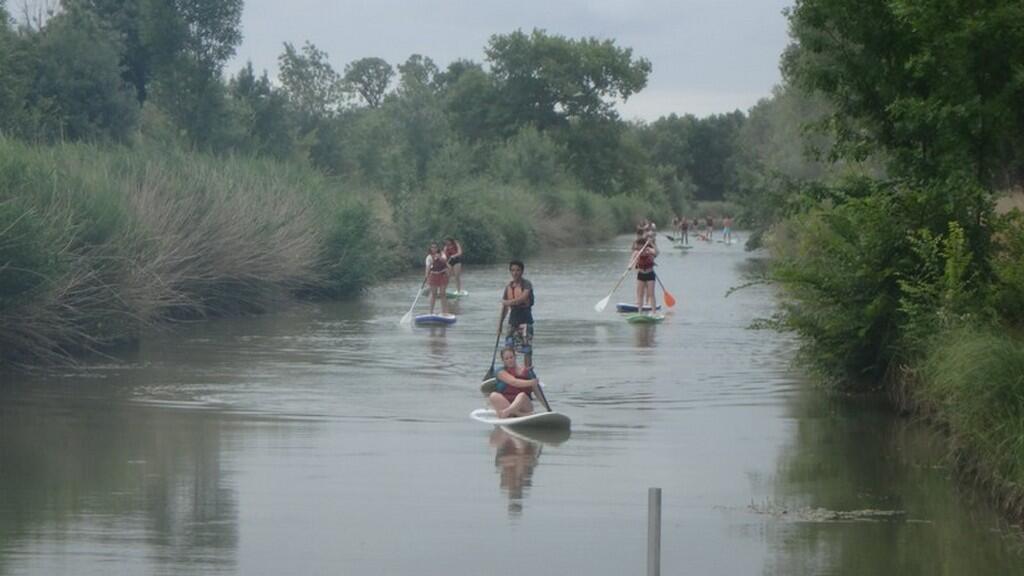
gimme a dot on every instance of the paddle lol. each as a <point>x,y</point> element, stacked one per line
<point>497,339</point>
<point>670,300</point>
<point>603,303</point>
<point>408,315</point>
<point>540,395</point>
<point>670,238</point>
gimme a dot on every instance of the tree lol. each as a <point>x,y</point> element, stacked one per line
<point>417,73</point>
<point>369,77</point>
<point>264,114</point>
<point>159,34</point>
<point>77,89</point>
<point>713,142</point>
<point>939,85</point>
<point>15,77</point>
<point>418,112</point>
<point>547,80</point>
<point>313,88</point>
<point>469,94</point>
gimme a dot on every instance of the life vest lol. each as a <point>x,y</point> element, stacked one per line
<point>645,261</point>
<point>438,263</point>
<point>510,392</point>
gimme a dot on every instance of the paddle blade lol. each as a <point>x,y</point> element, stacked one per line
<point>670,300</point>
<point>600,306</point>
<point>489,385</point>
<point>406,319</point>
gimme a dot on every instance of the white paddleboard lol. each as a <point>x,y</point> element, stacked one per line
<point>535,420</point>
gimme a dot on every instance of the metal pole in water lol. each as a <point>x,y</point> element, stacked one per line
<point>654,532</point>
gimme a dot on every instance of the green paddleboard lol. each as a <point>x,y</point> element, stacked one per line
<point>644,318</point>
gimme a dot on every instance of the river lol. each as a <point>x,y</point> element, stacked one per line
<point>327,439</point>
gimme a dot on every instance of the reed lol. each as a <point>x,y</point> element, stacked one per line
<point>971,381</point>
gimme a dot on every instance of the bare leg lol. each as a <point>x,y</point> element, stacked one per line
<point>521,406</point>
<point>639,295</point>
<point>433,298</point>
<point>652,296</point>
<point>498,402</point>
<point>457,270</point>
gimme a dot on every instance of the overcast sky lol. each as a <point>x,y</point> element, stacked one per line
<point>708,56</point>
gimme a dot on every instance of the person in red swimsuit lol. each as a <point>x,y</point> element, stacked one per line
<point>514,389</point>
<point>453,251</point>
<point>644,253</point>
<point>437,277</point>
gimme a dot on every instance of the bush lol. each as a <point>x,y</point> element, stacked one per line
<point>875,265</point>
<point>1008,267</point>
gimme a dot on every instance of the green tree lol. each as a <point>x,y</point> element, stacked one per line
<point>418,112</point>
<point>370,78</point>
<point>545,80</point>
<point>938,85</point>
<point>469,94</point>
<point>314,89</point>
<point>159,34</point>
<point>263,111</point>
<point>77,89</point>
<point>15,77</point>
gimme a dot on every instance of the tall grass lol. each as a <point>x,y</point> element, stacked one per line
<point>96,244</point>
<point>972,381</point>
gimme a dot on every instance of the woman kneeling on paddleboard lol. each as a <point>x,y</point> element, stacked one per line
<point>515,388</point>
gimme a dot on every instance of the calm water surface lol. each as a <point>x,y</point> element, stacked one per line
<point>326,439</point>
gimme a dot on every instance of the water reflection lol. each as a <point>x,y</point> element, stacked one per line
<point>97,474</point>
<point>644,335</point>
<point>438,344</point>
<point>517,455</point>
<point>863,492</point>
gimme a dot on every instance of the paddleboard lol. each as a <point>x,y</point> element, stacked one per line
<point>535,420</point>
<point>549,436</point>
<point>645,318</point>
<point>683,247</point>
<point>624,307</point>
<point>425,319</point>
<point>455,295</point>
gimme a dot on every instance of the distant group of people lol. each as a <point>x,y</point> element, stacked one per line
<point>703,228</point>
<point>515,384</point>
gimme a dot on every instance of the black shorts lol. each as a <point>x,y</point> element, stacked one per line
<point>645,276</point>
<point>455,260</point>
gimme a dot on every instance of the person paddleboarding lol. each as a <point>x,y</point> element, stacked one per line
<point>644,252</point>
<point>517,301</point>
<point>453,251</point>
<point>514,388</point>
<point>437,277</point>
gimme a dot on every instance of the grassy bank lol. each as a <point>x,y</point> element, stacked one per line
<point>98,243</point>
<point>971,383</point>
<point>892,290</point>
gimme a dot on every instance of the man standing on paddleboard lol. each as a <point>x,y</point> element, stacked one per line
<point>517,301</point>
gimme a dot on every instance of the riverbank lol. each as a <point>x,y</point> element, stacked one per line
<point>931,317</point>
<point>99,243</point>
